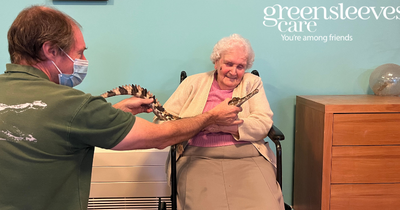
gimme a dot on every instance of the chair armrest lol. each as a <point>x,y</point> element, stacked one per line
<point>275,134</point>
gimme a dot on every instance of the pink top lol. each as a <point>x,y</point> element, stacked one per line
<point>215,97</point>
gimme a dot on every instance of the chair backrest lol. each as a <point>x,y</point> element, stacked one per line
<point>183,76</point>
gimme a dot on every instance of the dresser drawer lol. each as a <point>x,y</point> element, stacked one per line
<point>365,196</point>
<point>347,153</point>
<point>366,129</point>
<point>365,164</point>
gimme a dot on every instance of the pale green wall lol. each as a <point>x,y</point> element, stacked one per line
<point>148,42</point>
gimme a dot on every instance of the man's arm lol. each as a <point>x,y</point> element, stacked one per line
<point>232,129</point>
<point>146,135</point>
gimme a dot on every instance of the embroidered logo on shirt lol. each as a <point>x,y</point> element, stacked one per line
<point>14,134</point>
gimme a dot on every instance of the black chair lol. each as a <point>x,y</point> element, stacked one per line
<point>274,134</point>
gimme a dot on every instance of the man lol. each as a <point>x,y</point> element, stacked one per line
<point>48,130</point>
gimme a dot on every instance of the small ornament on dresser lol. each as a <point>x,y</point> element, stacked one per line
<point>385,80</point>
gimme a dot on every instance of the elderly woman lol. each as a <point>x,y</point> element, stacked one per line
<point>227,167</point>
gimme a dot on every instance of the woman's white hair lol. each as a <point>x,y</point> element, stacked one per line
<point>227,43</point>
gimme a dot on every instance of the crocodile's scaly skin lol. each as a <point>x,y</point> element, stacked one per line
<point>236,101</point>
<point>158,109</point>
<point>137,91</point>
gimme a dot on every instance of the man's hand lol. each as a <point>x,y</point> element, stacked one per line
<point>225,114</point>
<point>134,105</point>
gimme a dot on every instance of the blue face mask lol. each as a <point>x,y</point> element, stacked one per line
<point>74,79</point>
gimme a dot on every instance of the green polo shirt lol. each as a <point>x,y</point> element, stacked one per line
<point>47,138</point>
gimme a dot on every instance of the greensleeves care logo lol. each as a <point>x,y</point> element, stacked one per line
<point>305,19</point>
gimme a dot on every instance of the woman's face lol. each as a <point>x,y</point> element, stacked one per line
<point>231,67</point>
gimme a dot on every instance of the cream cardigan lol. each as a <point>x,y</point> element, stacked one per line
<point>190,97</point>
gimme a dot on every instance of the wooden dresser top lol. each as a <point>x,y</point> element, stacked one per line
<point>351,103</point>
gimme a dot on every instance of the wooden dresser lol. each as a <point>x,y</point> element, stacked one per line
<point>347,153</point>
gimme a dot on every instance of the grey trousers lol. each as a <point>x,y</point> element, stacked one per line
<point>232,177</point>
